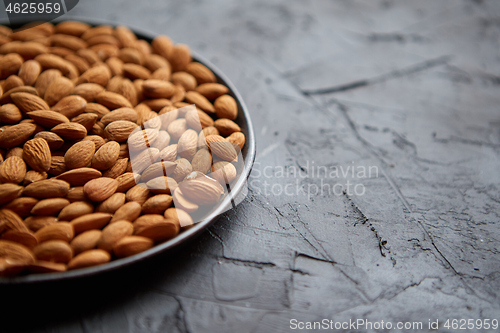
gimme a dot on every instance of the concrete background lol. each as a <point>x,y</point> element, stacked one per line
<point>411,88</point>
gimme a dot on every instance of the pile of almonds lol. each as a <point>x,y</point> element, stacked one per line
<point>108,145</point>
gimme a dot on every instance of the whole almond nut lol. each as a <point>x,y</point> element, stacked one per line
<point>35,223</point>
<point>179,57</point>
<point>79,155</point>
<point>47,118</point>
<point>154,62</point>
<point>71,106</point>
<point>120,130</point>
<point>162,168</point>
<point>81,64</point>
<point>237,138</point>
<point>57,165</point>
<point>53,140</point>
<point>202,161</point>
<point>168,153</point>
<point>10,114</point>
<point>89,258</point>
<point>29,72</point>
<point>162,45</point>
<point>59,88</point>
<point>200,101</point>
<point>22,206</point>
<point>12,170</point>
<point>36,154</point>
<point>106,156</point>
<point>180,201</point>
<point>161,185</point>
<point>12,221</point>
<point>51,206</point>
<point>226,107</point>
<point>28,102</point>
<point>179,94</point>
<point>98,109</point>
<point>138,193</point>
<point>79,176</point>
<point>112,100</point>
<point>163,74</point>
<point>71,42</point>
<point>201,192</point>
<point>201,73</point>
<point>45,78</point>
<point>57,231</point>
<point>130,245</point>
<point>90,221</point>
<point>10,64</point>
<point>54,250</point>
<point>128,212</point>
<point>134,71</point>
<point>179,216</point>
<point>220,147</point>
<point>158,88</point>
<point>197,120</point>
<point>100,189</point>
<point>99,75</point>
<point>72,28</point>
<point>183,168</point>
<point>112,233</point>
<point>85,241</point>
<point>111,204</point>
<point>88,120</point>
<point>7,97</point>
<point>16,134</point>
<point>184,79</point>
<point>120,114</point>
<point>16,252</point>
<point>75,209</point>
<point>88,91</point>
<point>117,169</point>
<point>70,131</point>
<point>28,50</point>
<point>140,161</point>
<point>177,128</point>
<point>155,227</point>
<point>224,172</point>
<point>187,145</point>
<point>212,90</point>
<point>48,188</point>
<point>226,127</point>
<point>157,204</point>
<point>25,238</point>
<point>126,181</point>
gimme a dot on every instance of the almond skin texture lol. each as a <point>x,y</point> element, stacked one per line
<point>48,188</point>
<point>12,170</point>
<point>16,252</point>
<point>79,176</point>
<point>70,131</point>
<point>57,231</point>
<point>89,258</point>
<point>157,204</point>
<point>128,212</point>
<point>130,245</point>
<point>100,189</point>
<point>201,192</point>
<point>75,209</point>
<point>220,147</point>
<point>226,127</point>
<point>237,138</point>
<point>200,101</point>
<point>187,145</point>
<point>70,106</point>
<point>120,130</point>
<point>201,73</point>
<point>36,153</point>
<point>79,155</point>
<point>47,118</point>
<point>10,114</point>
<point>29,72</point>
<point>29,102</point>
<point>59,88</point>
<point>111,204</point>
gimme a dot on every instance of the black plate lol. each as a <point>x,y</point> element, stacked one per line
<point>248,154</point>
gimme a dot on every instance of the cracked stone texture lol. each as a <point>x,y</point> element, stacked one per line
<point>409,87</point>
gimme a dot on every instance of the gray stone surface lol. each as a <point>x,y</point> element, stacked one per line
<point>409,87</point>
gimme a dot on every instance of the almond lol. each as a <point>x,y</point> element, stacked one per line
<point>98,109</point>
<point>59,88</point>
<point>57,231</point>
<point>106,156</point>
<point>88,91</point>
<point>127,90</point>
<point>36,153</point>
<point>112,100</point>
<point>45,78</point>
<point>202,161</point>
<point>163,74</point>
<point>41,266</point>
<point>128,212</point>
<point>158,88</point>
<point>79,176</point>
<point>155,227</point>
<point>12,221</point>
<point>201,73</point>
<point>35,223</point>
<point>125,181</point>
<point>117,169</point>
<point>134,71</point>
<point>237,138</point>
<point>33,176</point>
<point>163,168</point>
<point>179,57</point>
<point>162,140</point>
<point>79,155</point>
<point>70,131</point>
<point>157,204</point>
<point>28,50</point>
<point>212,90</point>
<point>130,245</point>
<point>179,94</point>
<point>47,118</point>
<point>197,120</point>
<point>154,62</point>
<point>226,107</point>
<point>187,145</point>
<point>157,104</point>
<point>224,172</point>
<point>200,101</point>
<point>71,106</point>
<point>161,185</point>
<point>169,153</point>
<point>57,165</point>
<point>88,120</point>
<point>111,204</point>
<point>54,250</point>
<point>89,258</point>
<point>120,130</point>
<point>163,46</point>
<point>10,114</point>
<point>52,61</point>
<point>140,161</point>
<point>138,193</point>
<point>201,192</point>
<point>183,168</point>
<point>16,252</point>
<point>48,188</point>
<point>226,127</point>
<point>220,147</point>
<point>90,221</point>
<point>12,170</point>
<point>7,97</point>
<point>186,80</point>
<point>25,238</point>
<point>181,202</point>
<point>21,206</point>
<point>179,216</point>
<point>53,140</point>
<point>85,241</point>
<point>100,189</point>
<point>10,64</point>
<point>130,55</point>
<point>177,128</point>
<point>50,206</point>
<point>72,28</point>
<point>99,75</point>
<point>112,233</point>
<point>81,64</point>
<point>29,72</point>
<point>75,209</point>
<point>140,140</point>
<point>28,102</point>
